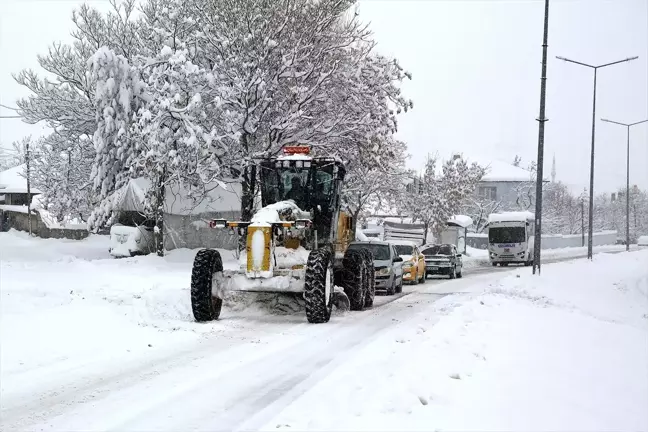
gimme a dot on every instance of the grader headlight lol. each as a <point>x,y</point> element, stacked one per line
<point>218,223</point>
<point>302,223</point>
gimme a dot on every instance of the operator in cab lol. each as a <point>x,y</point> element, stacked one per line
<point>296,192</point>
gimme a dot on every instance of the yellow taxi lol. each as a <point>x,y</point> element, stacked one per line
<point>413,261</point>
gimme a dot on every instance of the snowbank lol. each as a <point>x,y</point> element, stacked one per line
<point>70,299</point>
<point>565,351</point>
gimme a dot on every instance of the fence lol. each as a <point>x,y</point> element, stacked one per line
<point>194,232</point>
<point>552,241</point>
<point>19,220</point>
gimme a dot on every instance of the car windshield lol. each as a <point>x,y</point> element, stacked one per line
<point>379,251</point>
<point>507,235</point>
<point>404,249</point>
<point>438,250</point>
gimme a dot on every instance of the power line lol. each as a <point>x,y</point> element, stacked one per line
<point>8,107</point>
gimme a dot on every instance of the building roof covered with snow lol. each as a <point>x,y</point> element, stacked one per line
<point>499,171</point>
<point>217,197</point>
<point>13,181</point>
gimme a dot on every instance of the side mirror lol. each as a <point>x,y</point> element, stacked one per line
<point>458,254</point>
<point>398,259</point>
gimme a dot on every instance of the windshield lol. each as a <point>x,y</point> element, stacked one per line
<point>404,249</point>
<point>307,187</point>
<point>379,252</point>
<point>507,235</point>
<point>438,250</point>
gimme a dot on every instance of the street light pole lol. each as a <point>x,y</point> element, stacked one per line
<point>627,126</point>
<point>537,242</point>
<point>591,191</point>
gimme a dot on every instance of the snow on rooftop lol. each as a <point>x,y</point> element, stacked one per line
<point>499,171</point>
<point>521,216</point>
<point>13,181</point>
<point>460,220</point>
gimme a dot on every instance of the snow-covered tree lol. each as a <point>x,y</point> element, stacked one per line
<point>64,101</point>
<point>444,195</point>
<point>375,177</point>
<point>118,95</point>
<point>478,208</point>
<point>296,72</point>
<point>10,157</point>
<point>67,183</point>
<point>526,190</point>
<point>189,91</point>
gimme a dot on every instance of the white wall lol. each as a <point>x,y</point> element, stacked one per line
<point>553,241</point>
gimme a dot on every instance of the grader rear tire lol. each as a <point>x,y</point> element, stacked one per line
<point>204,305</point>
<point>370,278</point>
<point>353,279</point>
<point>318,286</point>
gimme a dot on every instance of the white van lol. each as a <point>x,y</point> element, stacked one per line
<point>511,238</point>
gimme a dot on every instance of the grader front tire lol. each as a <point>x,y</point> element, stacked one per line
<point>204,305</point>
<point>318,286</point>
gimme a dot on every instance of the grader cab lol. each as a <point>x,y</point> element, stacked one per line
<point>295,243</point>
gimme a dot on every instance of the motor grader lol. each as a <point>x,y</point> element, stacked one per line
<point>297,242</point>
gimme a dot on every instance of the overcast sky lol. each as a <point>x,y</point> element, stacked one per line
<point>476,76</point>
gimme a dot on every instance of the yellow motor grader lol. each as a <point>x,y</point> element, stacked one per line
<point>296,243</point>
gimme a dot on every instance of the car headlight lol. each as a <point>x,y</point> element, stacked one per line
<point>407,266</point>
<point>383,271</point>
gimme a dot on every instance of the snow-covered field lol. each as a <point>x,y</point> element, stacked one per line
<point>94,343</point>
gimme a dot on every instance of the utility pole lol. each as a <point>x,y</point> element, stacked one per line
<point>541,128</point>
<point>627,126</point>
<point>583,221</point>
<point>591,191</point>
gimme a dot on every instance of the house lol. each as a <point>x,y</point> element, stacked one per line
<point>13,187</point>
<point>506,186</point>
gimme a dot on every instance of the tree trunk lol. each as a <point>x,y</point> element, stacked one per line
<point>354,223</point>
<point>159,214</point>
<point>27,161</point>
<point>248,192</point>
<point>425,232</point>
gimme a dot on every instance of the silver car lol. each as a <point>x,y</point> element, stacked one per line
<point>387,264</point>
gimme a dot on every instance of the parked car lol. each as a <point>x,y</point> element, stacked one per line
<point>443,259</point>
<point>128,241</point>
<point>642,240</point>
<point>387,265</point>
<point>413,261</point>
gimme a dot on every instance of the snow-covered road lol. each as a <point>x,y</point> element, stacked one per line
<point>98,344</point>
